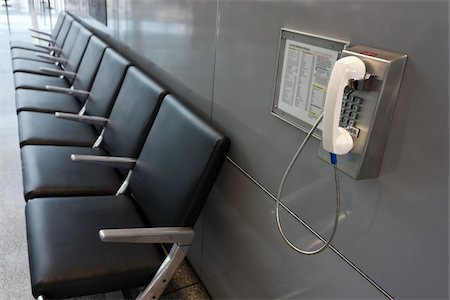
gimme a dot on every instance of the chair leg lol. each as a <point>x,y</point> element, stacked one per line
<point>165,273</point>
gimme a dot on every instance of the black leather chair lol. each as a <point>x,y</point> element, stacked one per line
<point>31,54</point>
<point>48,170</point>
<point>46,101</point>
<point>85,245</point>
<point>51,38</point>
<point>44,129</point>
<point>48,60</point>
<point>58,77</point>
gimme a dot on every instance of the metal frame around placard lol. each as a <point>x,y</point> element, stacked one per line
<point>307,38</point>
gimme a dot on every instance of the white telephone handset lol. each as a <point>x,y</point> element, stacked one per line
<point>336,139</point>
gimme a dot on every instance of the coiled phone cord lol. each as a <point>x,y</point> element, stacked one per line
<point>280,191</point>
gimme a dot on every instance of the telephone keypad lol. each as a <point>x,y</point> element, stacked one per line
<point>355,107</point>
<point>351,105</point>
<point>357,100</point>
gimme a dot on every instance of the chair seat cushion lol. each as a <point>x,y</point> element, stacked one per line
<point>45,129</point>
<point>31,66</point>
<point>24,80</point>
<point>66,255</point>
<point>26,54</point>
<point>48,171</point>
<point>26,45</point>
<point>46,102</point>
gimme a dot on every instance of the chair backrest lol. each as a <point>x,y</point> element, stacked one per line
<point>71,39</point>
<point>62,35</point>
<point>58,25</point>
<point>78,50</point>
<point>106,84</point>
<point>89,64</point>
<point>177,166</point>
<point>133,114</point>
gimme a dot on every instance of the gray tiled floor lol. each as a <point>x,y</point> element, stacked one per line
<point>14,274</point>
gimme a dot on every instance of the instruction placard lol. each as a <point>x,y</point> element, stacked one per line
<point>303,78</point>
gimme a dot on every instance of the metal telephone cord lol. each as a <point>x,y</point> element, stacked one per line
<point>280,190</point>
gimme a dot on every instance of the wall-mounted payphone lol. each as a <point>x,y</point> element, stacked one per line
<point>363,103</point>
<point>355,95</point>
<point>364,107</point>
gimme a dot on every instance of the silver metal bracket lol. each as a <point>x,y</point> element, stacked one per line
<point>123,187</point>
<point>99,140</point>
<point>168,268</point>
<point>181,237</point>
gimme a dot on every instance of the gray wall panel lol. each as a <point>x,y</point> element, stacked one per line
<point>247,259</point>
<point>77,6</point>
<point>112,17</point>
<point>388,221</point>
<point>394,228</point>
<point>178,36</point>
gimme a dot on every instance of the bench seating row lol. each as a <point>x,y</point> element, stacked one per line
<point>113,165</point>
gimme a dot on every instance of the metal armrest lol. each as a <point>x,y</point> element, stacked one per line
<point>68,91</point>
<point>40,32</point>
<point>111,161</point>
<point>82,118</point>
<point>60,60</point>
<point>51,48</point>
<point>51,41</point>
<point>57,72</point>
<point>182,236</point>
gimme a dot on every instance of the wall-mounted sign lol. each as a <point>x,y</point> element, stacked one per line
<point>304,68</point>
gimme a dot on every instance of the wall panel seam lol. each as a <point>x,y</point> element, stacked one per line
<point>295,216</point>
<point>216,46</point>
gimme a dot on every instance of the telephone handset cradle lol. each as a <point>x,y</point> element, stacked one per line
<point>356,122</point>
